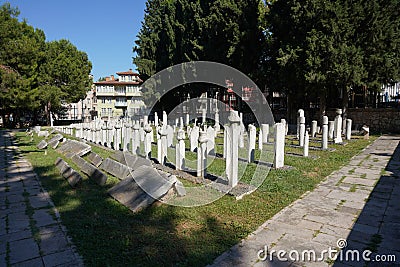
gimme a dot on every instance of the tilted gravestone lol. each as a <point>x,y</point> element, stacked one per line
<point>55,140</point>
<point>98,176</point>
<point>55,145</point>
<point>95,159</point>
<point>43,133</point>
<point>73,177</point>
<point>42,144</point>
<point>115,168</point>
<point>71,148</point>
<point>144,186</point>
<point>129,194</point>
<point>130,160</point>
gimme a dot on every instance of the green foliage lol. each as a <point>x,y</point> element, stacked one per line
<point>36,74</point>
<point>320,46</point>
<point>178,31</point>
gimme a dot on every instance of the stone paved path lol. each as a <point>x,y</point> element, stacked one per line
<point>360,204</point>
<point>31,233</point>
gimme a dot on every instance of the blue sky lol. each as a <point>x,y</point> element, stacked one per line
<point>105,30</point>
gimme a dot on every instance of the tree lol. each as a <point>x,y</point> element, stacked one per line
<point>177,31</point>
<point>64,75</point>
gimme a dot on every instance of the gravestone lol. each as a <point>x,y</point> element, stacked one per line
<point>194,137</point>
<point>73,177</point>
<point>147,141</point>
<point>226,129</point>
<point>348,129</point>
<point>179,189</point>
<point>156,184</point>
<point>170,135</point>
<point>90,170</point>
<point>180,150</point>
<point>131,160</point>
<point>260,142</point>
<point>314,125</point>
<point>43,133</point>
<point>135,139</point>
<point>129,194</point>
<point>306,144</point>
<point>232,152</point>
<point>73,147</point>
<point>302,130</point>
<point>42,144</point>
<point>202,155</point>
<point>265,132</point>
<point>115,168</point>
<point>338,126</point>
<point>162,146</point>
<point>324,132</point>
<point>95,159</point>
<point>54,139</point>
<point>216,119</point>
<point>144,186</point>
<point>55,144</point>
<point>155,119</point>
<point>331,129</point>
<point>210,141</point>
<point>300,113</point>
<point>252,143</point>
<point>279,146</point>
<point>164,119</point>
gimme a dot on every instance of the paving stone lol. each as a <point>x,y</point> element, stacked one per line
<point>23,250</point>
<point>53,242</point>
<point>42,218</point>
<point>66,256</point>
<point>23,234</point>
<point>36,262</point>
<point>38,202</point>
<point>359,181</point>
<point>20,221</point>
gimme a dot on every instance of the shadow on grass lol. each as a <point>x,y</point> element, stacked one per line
<point>108,234</point>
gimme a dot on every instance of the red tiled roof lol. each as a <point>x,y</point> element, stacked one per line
<point>130,72</point>
<point>116,82</point>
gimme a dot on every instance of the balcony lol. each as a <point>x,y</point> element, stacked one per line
<point>121,104</point>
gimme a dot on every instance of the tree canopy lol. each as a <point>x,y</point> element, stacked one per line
<point>305,49</point>
<point>35,75</point>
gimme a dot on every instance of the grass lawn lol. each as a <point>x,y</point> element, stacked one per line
<point>108,234</point>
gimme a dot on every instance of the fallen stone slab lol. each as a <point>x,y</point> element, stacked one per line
<point>43,133</point>
<point>115,168</point>
<point>42,144</point>
<point>131,160</point>
<point>143,187</point>
<point>73,177</point>
<point>71,148</point>
<point>95,159</point>
<point>55,139</point>
<point>179,189</point>
<point>128,193</point>
<point>155,183</point>
<point>55,145</point>
<point>90,170</point>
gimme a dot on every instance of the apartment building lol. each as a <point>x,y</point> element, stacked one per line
<point>120,96</point>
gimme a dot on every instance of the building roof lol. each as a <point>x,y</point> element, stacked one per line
<point>129,72</point>
<point>116,82</point>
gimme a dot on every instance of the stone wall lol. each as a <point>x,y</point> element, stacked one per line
<point>378,120</point>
